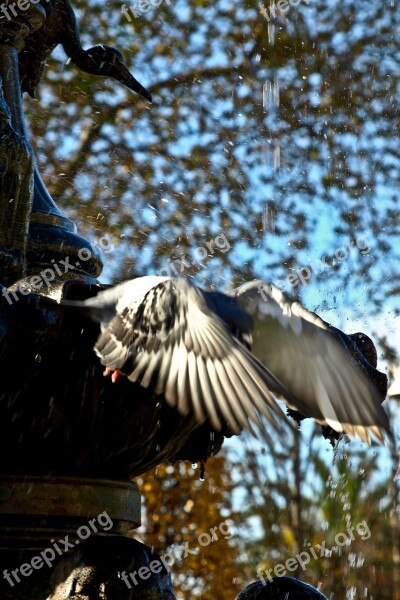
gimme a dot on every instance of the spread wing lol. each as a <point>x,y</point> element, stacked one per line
<point>311,362</point>
<point>175,341</point>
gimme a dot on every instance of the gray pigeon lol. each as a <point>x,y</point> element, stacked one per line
<point>230,356</point>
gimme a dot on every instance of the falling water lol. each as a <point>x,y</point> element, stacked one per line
<point>271,100</point>
<point>276,157</point>
<point>272,149</point>
<point>271,24</point>
<point>271,92</point>
<point>269,218</point>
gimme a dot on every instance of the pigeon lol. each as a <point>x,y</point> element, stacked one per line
<point>230,357</point>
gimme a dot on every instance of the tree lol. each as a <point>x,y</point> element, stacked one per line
<point>190,521</point>
<point>204,159</point>
<point>328,518</point>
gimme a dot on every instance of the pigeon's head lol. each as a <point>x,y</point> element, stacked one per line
<point>366,346</point>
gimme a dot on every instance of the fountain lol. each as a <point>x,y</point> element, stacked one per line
<point>71,442</point>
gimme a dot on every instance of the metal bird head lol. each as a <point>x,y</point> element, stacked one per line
<point>109,62</point>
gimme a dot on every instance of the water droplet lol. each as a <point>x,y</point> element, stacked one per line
<point>352,559</point>
<point>271,95</point>
<point>269,218</point>
<point>277,157</point>
<point>271,33</point>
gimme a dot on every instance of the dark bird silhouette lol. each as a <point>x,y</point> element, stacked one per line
<point>227,356</point>
<point>108,62</point>
<point>60,27</point>
<point>280,588</point>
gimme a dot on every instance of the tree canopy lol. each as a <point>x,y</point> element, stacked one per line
<point>288,148</point>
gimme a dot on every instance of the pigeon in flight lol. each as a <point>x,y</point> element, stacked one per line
<point>227,357</point>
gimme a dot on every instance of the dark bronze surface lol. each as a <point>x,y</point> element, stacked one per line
<point>70,439</point>
<point>61,416</point>
<point>40,508</point>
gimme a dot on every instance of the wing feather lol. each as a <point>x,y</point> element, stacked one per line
<point>175,341</point>
<point>310,360</point>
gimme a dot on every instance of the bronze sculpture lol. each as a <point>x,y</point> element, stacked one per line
<point>60,27</point>
<point>69,445</point>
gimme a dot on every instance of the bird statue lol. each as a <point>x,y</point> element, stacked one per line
<point>60,27</point>
<point>280,588</point>
<point>227,357</point>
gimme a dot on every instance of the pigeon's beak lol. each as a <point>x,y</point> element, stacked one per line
<point>121,74</point>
